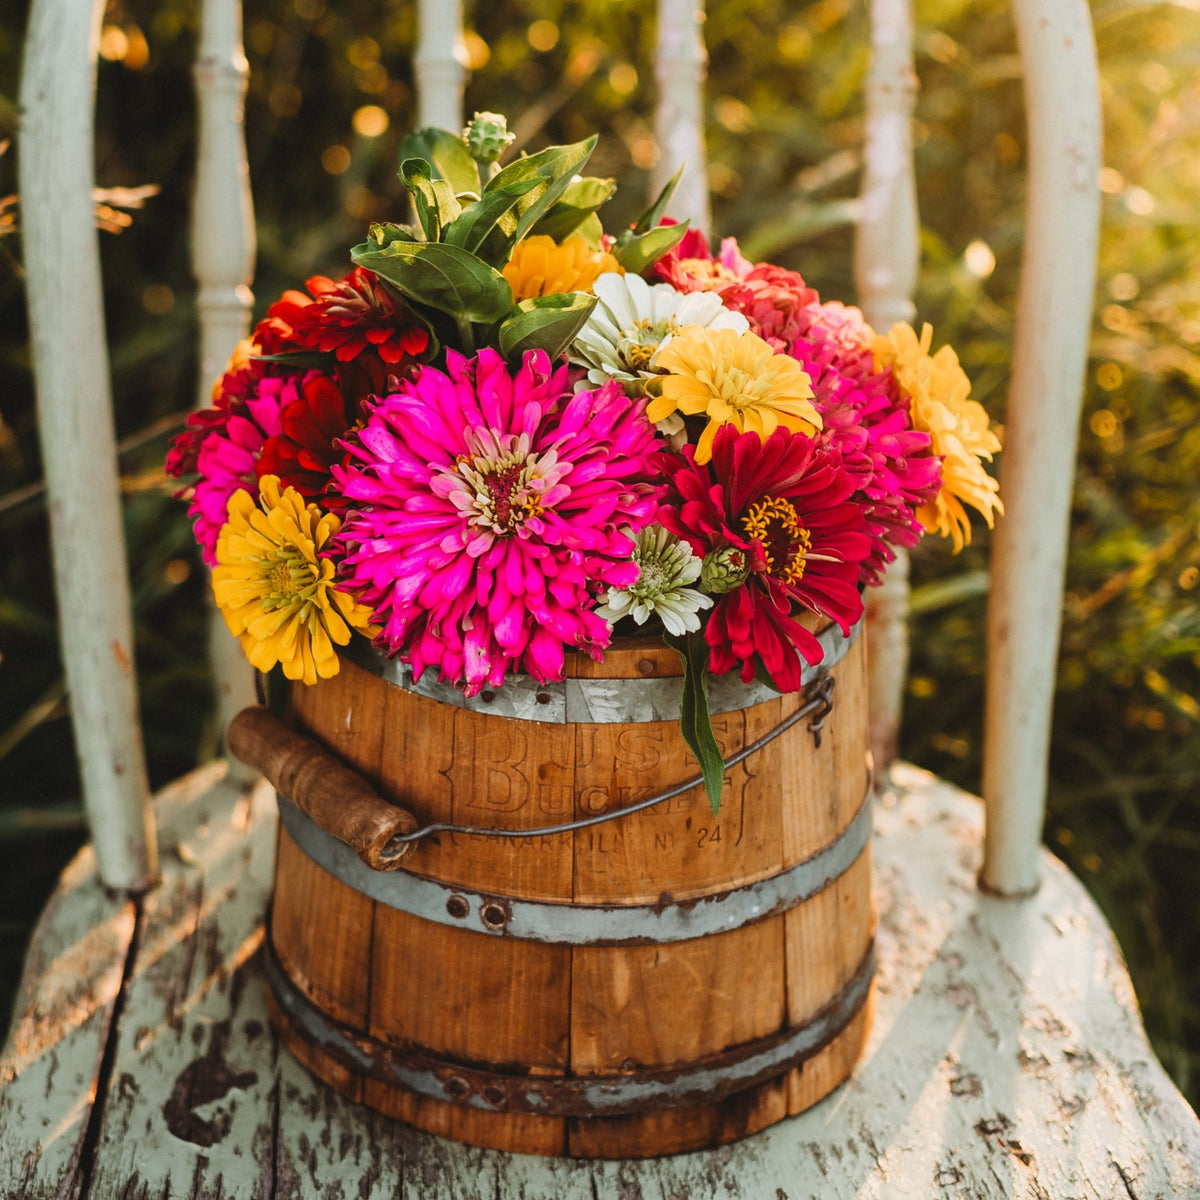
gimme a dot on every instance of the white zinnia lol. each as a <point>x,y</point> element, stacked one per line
<point>667,564</point>
<point>633,320</point>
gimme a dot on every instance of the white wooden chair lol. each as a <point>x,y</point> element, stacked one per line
<point>1007,1056</point>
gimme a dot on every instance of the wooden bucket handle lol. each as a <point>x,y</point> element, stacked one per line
<point>336,797</point>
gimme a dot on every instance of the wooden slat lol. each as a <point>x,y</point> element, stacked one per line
<point>62,1023</point>
<point>831,781</point>
<point>674,1130</point>
<point>438,64</point>
<point>309,906</point>
<point>191,1039</point>
<point>680,65</point>
<point>886,252</point>
<point>1054,307</point>
<point>679,846</point>
<point>516,774</point>
<point>674,1004</point>
<point>223,250</point>
<point>62,267</point>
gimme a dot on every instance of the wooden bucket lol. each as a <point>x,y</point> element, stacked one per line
<point>656,983</point>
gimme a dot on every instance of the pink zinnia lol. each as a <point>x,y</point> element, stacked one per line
<point>774,300</point>
<point>779,531</point>
<point>490,514</point>
<point>229,454</point>
<point>867,422</point>
<point>847,328</point>
<point>264,418</point>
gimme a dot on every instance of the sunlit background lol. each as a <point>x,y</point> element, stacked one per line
<point>331,96</point>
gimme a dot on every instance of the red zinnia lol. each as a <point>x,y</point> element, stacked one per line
<point>303,452</point>
<point>778,530</point>
<point>349,317</point>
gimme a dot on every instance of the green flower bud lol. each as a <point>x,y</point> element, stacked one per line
<point>723,570</point>
<point>486,136</point>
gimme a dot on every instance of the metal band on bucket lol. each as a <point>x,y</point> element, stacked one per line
<point>594,701</point>
<point>707,1080</point>
<point>666,920</point>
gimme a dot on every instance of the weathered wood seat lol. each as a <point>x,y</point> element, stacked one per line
<point>1006,1056</point>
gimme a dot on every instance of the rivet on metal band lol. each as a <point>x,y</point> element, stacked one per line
<point>708,1079</point>
<point>666,920</point>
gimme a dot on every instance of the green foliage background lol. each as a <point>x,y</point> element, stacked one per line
<point>785,131</point>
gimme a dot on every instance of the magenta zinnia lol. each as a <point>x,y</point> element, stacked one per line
<point>491,514</point>
<point>866,420</point>
<point>779,533</point>
<point>228,455</point>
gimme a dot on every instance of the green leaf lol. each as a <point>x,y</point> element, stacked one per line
<point>694,721</point>
<point>445,278</point>
<point>547,323</point>
<point>579,201</point>
<point>385,233</point>
<point>591,231</point>
<point>447,156</point>
<point>434,200</point>
<point>553,169</point>
<point>471,229</point>
<point>637,251</point>
<point>651,217</point>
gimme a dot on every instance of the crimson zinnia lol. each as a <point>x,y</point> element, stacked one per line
<point>774,521</point>
<point>313,419</point>
<point>492,512</point>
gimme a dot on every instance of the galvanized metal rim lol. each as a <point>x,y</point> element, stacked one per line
<point>640,1089</point>
<point>666,920</point>
<point>593,701</point>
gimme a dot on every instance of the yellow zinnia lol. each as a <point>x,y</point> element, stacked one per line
<point>732,378</point>
<point>274,591</point>
<point>939,392</point>
<point>540,266</point>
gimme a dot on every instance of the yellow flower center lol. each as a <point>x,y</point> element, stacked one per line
<point>784,540</point>
<point>290,580</point>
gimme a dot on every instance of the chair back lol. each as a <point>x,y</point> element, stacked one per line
<point>1029,548</point>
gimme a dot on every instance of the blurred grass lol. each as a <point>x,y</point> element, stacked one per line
<point>785,133</point>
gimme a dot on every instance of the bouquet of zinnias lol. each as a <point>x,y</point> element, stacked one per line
<point>506,432</point>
